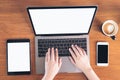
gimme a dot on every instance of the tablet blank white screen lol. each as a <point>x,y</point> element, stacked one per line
<point>18,57</point>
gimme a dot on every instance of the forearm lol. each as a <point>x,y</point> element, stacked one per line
<point>90,74</point>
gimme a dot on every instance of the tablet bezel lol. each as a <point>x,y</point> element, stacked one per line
<point>17,41</point>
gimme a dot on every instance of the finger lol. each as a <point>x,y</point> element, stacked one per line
<point>75,50</point>
<point>72,53</point>
<point>48,55</point>
<point>84,52</point>
<point>52,55</point>
<point>56,58</point>
<point>72,60</point>
<point>79,50</point>
<point>60,62</point>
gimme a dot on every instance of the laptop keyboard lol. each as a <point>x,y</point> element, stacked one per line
<point>63,45</point>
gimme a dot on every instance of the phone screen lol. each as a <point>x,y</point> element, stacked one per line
<point>18,56</point>
<point>102,53</point>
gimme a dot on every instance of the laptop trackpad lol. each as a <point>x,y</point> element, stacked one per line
<point>67,66</point>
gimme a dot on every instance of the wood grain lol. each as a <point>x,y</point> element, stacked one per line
<point>14,23</point>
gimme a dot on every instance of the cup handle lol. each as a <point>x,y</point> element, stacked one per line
<point>113,37</point>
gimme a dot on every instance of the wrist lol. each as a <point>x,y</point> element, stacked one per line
<point>88,69</point>
<point>48,77</point>
<point>90,74</point>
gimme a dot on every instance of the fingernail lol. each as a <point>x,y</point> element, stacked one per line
<point>69,48</point>
<point>56,49</point>
<point>48,49</point>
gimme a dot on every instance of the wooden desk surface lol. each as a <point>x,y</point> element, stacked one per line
<point>14,23</point>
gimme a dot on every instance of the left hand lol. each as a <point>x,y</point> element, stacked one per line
<point>52,64</point>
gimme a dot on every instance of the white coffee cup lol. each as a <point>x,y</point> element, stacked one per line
<point>110,28</point>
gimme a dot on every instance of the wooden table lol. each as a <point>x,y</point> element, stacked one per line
<point>15,23</point>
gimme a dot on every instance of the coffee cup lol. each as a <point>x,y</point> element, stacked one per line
<point>110,28</point>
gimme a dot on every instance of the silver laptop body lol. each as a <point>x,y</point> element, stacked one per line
<point>51,18</point>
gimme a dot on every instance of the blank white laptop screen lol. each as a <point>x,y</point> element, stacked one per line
<point>18,57</point>
<point>60,21</point>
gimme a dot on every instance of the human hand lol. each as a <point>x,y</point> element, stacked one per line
<point>52,64</point>
<point>79,58</point>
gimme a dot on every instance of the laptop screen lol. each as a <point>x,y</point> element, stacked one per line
<point>67,20</point>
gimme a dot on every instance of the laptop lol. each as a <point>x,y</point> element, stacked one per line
<point>60,27</point>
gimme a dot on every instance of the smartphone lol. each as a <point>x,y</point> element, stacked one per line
<point>18,56</point>
<point>102,53</point>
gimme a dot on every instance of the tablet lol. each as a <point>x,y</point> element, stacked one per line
<point>18,56</point>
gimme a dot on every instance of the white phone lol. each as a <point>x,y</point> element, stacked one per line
<point>102,53</point>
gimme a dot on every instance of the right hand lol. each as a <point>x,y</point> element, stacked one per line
<point>79,58</point>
